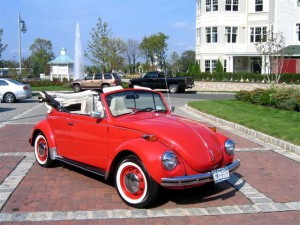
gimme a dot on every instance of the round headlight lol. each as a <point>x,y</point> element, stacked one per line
<point>169,160</point>
<point>229,147</point>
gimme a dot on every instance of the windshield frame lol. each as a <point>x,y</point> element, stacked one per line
<point>132,101</point>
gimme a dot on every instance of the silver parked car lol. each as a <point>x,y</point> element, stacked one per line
<point>11,90</point>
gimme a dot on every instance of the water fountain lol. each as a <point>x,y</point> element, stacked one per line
<point>78,58</point>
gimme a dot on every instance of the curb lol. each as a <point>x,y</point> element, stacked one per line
<point>264,137</point>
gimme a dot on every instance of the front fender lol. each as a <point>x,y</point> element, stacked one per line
<point>45,128</point>
<point>150,154</point>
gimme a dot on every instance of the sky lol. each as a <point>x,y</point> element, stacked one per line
<point>56,20</point>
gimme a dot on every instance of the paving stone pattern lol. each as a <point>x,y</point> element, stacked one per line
<point>255,194</point>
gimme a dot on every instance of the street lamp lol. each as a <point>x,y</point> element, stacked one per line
<point>22,28</point>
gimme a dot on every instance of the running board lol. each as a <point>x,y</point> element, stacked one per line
<point>82,166</point>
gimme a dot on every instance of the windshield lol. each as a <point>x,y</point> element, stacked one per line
<point>134,102</point>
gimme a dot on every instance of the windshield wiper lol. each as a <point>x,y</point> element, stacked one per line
<point>149,109</point>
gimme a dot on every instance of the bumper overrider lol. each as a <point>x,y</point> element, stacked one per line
<point>197,178</point>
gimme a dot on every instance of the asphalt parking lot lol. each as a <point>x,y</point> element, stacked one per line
<point>265,190</point>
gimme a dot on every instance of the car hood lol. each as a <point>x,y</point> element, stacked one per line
<point>194,142</point>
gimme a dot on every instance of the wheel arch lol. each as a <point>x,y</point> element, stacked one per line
<point>44,128</point>
<point>149,154</point>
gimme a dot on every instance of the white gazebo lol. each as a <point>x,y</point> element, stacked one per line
<point>62,67</point>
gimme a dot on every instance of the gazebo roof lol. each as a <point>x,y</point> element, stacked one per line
<point>62,59</point>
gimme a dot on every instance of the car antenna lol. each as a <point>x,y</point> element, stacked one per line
<point>168,91</point>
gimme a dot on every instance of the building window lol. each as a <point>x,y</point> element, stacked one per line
<point>198,35</point>
<point>210,65</point>
<point>225,65</point>
<point>231,34</point>
<point>211,34</point>
<point>232,5</point>
<point>298,30</point>
<point>258,34</point>
<point>198,7</point>
<point>258,5</point>
<point>211,5</point>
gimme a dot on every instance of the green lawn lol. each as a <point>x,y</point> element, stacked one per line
<point>51,88</point>
<point>278,123</point>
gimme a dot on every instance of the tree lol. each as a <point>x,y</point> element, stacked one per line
<point>2,47</point>
<point>186,59</point>
<point>132,54</point>
<point>174,63</point>
<point>154,48</point>
<point>41,54</point>
<point>116,47</point>
<point>219,67</point>
<point>273,52</point>
<point>98,49</point>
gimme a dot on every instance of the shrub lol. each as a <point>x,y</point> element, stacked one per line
<point>244,96</point>
<point>287,98</point>
<point>262,97</point>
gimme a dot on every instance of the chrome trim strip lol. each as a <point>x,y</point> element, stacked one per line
<point>195,179</point>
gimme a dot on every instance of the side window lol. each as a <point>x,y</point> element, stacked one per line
<point>3,83</point>
<point>151,75</point>
<point>107,76</point>
<point>98,77</point>
<point>89,77</point>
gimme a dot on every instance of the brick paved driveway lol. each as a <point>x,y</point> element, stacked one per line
<point>265,190</point>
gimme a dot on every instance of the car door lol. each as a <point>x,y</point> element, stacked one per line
<point>87,82</point>
<point>88,140</point>
<point>150,80</point>
<point>97,81</point>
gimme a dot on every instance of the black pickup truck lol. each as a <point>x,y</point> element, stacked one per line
<point>157,80</point>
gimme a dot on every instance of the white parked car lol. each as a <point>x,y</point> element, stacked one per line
<point>11,90</point>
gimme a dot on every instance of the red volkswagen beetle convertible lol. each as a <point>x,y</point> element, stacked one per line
<point>132,136</point>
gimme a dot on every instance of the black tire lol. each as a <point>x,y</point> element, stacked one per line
<point>173,88</point>
<point>9,97</point>
<point>133,183</point>
<point>41,151</point>
<point>76,88</point>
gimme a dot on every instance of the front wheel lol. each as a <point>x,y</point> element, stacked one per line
<point>173,88</point>
<point>41,151</point>
<point>133,183</point>
<point>9,97</point>
<point>76,88</point>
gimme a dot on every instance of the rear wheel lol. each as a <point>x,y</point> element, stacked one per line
<point>9,97</point>
<point>133,183</point>
<point>76,88</point>
<point>41,151</point>
<point>173,88</point>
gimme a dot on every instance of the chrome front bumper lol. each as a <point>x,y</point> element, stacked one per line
<point>197,178</point>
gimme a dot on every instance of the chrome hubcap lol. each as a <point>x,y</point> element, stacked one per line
<point>132,183</point>
<point>42,149</point>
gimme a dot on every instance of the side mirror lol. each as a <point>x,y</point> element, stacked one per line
<point>97,115</point>
<point>172,108</point>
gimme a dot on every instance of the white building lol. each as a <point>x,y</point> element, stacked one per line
<point>227,29</point>
<point>62,67</point>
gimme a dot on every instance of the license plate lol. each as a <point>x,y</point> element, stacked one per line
<point>220,174</point>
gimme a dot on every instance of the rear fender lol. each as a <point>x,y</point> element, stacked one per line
<point>45,128</point>
<point>150,154</point>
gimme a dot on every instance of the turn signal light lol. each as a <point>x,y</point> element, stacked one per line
<point>213,129</point>
<point>150,138</point>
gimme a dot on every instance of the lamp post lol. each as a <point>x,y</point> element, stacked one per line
<point>22,28</point>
